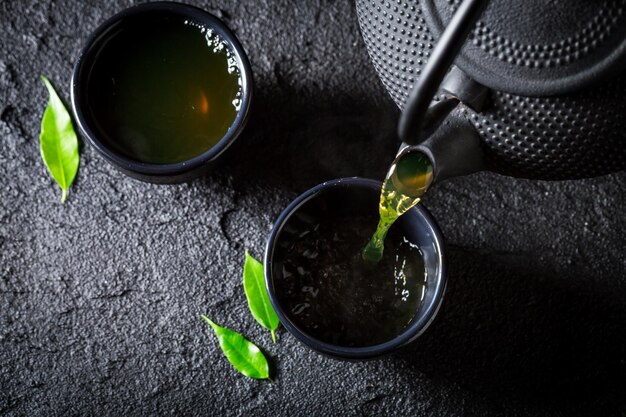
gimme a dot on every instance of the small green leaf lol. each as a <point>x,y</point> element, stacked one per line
<point>258,300</point>
<point>244,355</point>
<point>58,141</point>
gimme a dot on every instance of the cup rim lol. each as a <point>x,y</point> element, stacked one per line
<point>414,330</point>
<point>79,89</point>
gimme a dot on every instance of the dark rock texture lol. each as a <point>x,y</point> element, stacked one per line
<point>99,298</point>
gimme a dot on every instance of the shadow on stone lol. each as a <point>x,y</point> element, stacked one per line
<point>297,139</point>
<point>511,330</point>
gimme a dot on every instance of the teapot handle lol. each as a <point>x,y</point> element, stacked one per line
<point>415,112</point>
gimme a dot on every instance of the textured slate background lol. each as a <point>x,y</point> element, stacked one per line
<point>99,298</point>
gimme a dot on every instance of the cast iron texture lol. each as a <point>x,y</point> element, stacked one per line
<point>578,133</point>
<point>99,298</point>
<point>538,48</point>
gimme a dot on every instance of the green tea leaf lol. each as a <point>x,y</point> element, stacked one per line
<point>58,141</point>
<point>258,300</point>
<point>244,355</point>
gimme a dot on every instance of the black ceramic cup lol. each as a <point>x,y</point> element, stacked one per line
<point>417,226</point>
<point>88,121</point>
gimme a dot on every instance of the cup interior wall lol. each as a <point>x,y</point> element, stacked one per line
<point>419,232</point>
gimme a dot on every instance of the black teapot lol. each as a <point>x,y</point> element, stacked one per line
<point>531,88</point>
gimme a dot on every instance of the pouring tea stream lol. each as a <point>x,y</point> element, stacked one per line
<point>413,170</point>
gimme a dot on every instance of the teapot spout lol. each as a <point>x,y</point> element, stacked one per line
<point>454,148</point>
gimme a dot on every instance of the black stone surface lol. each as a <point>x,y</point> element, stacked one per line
<point>99,298</point>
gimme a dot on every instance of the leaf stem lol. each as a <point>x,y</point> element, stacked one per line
<point>273,335</point>
<point>63,195</point>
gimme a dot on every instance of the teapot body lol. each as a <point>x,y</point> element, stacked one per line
<point>554,110</point>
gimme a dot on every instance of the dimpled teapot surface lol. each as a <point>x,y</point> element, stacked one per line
<point>555,71</point>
